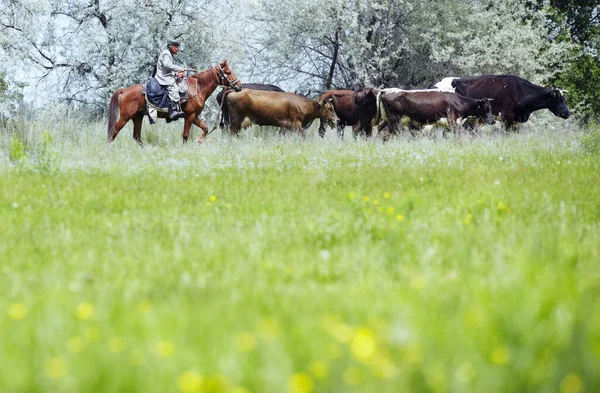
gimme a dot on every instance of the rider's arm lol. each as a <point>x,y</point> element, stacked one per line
<point>168,64</point>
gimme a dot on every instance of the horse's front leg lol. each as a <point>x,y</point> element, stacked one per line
<point>204,126</point>
<point>187,126</point>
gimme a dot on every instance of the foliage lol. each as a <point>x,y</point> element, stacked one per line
<point>47,159</point>
<point>18,150</point>
<point>590,142</point>
<point>83,51</point>
<point>345,44</point>
<point>301,265</point>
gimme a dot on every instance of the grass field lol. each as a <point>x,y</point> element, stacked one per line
<point>275,264</point>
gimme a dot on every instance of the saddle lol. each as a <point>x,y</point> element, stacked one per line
<point>157,96</point>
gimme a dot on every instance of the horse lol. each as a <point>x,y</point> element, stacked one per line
<point>130,104</point>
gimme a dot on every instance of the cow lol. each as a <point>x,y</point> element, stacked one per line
<point>223,105</point>
<point>288,111</point>
<point>353,108</point>
<point>428,107</point>
<point>514,98</point>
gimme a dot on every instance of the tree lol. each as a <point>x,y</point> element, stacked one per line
<point>384,43</point>
<point>83,50</point>
<point>578,22</point>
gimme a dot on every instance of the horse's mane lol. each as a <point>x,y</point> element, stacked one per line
<point>204,76</point>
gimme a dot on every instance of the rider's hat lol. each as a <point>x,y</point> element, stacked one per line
<point>173,43</point>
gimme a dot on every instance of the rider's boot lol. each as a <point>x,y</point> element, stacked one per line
<point>174,111</point>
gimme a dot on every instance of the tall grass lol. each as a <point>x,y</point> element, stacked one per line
<point>272,264</point>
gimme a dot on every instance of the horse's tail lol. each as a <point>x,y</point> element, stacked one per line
<point>113,115</point>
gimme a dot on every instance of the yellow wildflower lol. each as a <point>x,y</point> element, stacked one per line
<point>269,328</point>
<point>92,335</point>
<point>472,317</point>
<point>342,332</point>
<point>189,382</point>
<point>246,342</point>
<point>165,348</point>
<point>144,307</point>
<point>300,383</point>
<point>136,358</point>
<point>84,311</point>
<point>417,282</point>
<point>468,218</point>
<point>500,355</point>
<point>390,210</point>
<point>17,311</point>
<point>363,344</point>
<point>319,370</point>
<point>216,384</point>
<point>116,345</point>
<point>366,198</point>
<point>75,344</point>
<point>387,195</point>
<point>399,217</point>
<point>56,368</point>
<point>571,383</point>
<point>213,198</point>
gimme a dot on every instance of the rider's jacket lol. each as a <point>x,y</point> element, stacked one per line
<point>166,68</point>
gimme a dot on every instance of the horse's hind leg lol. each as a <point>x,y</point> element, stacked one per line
<point>137,128</point>
<point>118,127</point>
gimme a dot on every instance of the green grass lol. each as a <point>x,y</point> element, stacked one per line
<point>276,264</point>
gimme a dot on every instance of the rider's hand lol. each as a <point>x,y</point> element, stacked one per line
<point>180,74</point>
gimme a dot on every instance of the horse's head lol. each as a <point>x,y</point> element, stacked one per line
<point>225,77</point>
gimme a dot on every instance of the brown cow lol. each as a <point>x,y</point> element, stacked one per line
<point>352,109</point>
<point>272,108</point>
<point>428,107</point>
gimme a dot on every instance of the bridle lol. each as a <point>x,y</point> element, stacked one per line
<point>224,77</point>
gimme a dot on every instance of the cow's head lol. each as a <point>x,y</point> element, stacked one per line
<point>484,111</point>
<point>326,112</point>
<point>366,100</point>
<point>558,105</point>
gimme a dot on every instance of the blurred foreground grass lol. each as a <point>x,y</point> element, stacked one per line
<point>273,264</point>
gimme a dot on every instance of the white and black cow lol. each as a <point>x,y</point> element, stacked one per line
<point>513,99</point>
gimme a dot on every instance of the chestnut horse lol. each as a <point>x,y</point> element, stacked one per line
<point>130,104</point>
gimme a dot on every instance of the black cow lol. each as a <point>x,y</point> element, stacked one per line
<point>428,107</point>
<point>513,98</point>
<point>224,92</point>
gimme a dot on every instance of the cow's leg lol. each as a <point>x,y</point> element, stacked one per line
<point>340,128</point>
<point>137,128</point>
<point>187,126</point>
<point>322,129</point>
<point>203,126</point>
<point>357,130</point>
<point>297,126</point>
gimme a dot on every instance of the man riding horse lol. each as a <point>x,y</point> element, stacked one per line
<point>166,75</point>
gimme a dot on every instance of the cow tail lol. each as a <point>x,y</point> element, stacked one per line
<point>113,114</point>
<point>380,111</point>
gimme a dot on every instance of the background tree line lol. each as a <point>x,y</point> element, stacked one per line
<point>75,53</point>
